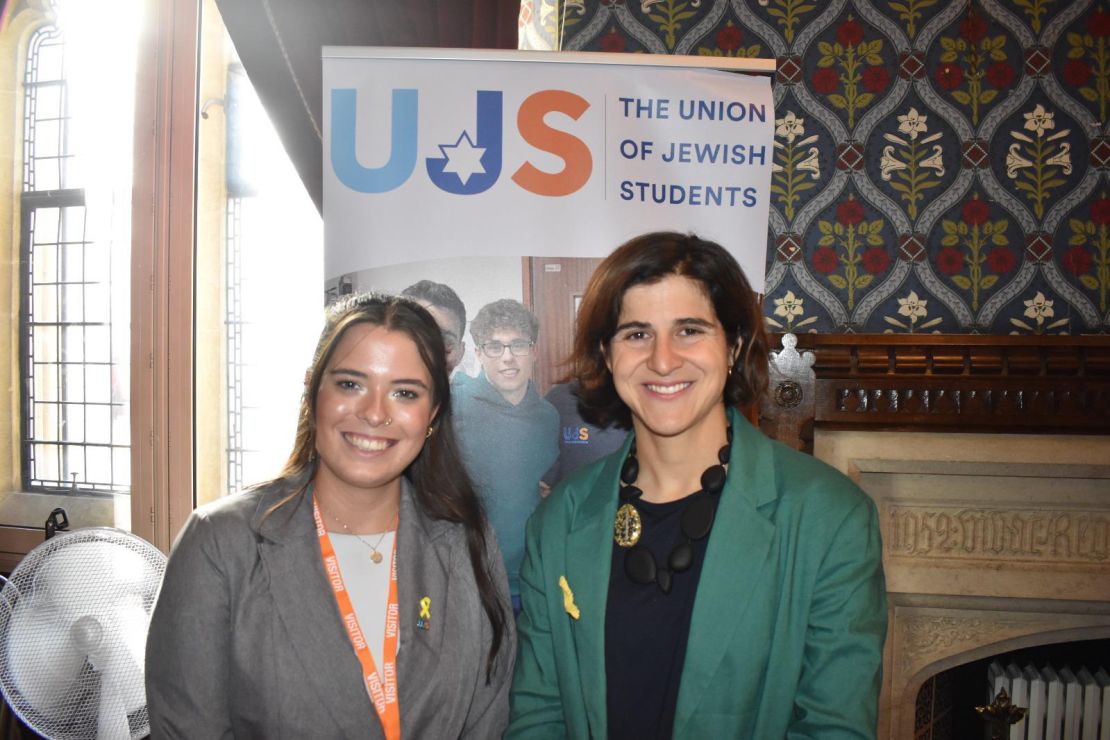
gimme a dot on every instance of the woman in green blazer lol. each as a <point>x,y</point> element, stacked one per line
<point>703,581</point>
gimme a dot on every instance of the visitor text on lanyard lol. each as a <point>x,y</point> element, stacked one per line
<point>382,686</point>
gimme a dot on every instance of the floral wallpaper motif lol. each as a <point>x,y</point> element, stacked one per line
<point>939,166</point>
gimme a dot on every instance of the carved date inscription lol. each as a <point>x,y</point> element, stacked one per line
<point>992,534</point>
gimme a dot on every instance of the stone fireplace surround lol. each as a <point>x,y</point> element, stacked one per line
<point>981,557</point>
<point>992,541</point>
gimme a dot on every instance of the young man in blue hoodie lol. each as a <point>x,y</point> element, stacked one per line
<point>509,435</point>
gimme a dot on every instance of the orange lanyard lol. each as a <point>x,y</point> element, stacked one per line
<point>382,688</point>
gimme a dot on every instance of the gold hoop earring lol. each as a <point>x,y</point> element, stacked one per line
<point>428,435</point>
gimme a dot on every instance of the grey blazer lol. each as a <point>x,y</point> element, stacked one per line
<point>246,639</point>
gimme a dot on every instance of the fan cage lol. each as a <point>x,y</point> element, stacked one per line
<point>123,571</point>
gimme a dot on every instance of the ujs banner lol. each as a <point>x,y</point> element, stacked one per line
<point>518,153</point>
<point>487,185</point>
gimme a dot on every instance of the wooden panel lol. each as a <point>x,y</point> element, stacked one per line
<point>162,273</point>
<point>950,382</point>
<point>15,542</point>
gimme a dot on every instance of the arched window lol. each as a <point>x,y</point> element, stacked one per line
<point>142,269</point>
<point>74,342</point>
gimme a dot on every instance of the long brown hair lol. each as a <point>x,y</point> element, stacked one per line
<point>440,486</point>
<point>645,260</point>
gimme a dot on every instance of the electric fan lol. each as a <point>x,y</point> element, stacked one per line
<point>73,624</point>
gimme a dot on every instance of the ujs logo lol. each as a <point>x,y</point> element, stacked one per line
<point>468,165</point>
<point>576,435</point>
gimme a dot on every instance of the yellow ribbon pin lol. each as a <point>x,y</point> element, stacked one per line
<point>568,598</point>
<point>425,608</point>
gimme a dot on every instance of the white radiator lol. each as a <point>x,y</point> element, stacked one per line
<point>1063,705</point>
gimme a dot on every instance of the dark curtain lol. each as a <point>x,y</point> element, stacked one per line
<point>279,43</point>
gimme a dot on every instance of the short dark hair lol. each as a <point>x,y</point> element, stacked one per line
<point>503,314</point>
<point>645,260</point>
<point>440,296</point>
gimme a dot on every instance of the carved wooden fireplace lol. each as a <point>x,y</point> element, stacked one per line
<point>989,460</point>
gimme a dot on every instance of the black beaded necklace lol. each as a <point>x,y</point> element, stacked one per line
<point>697,521</point>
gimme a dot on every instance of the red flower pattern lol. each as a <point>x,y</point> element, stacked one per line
<point>876,260</point>
<point>875,79</point>
<point>1000,75</point>
<point>1077,260</point>
<point>612,42</point>
<point>1100,211</point>
<point>850,212</point>
<point>1001,259</point>
<point>975,212</point>
<point>949,76</point>
<point>950,260</point>
<point>1098,23</point>
<point>825,80</point>
<point>729,38</point>
<point>849,33</point>
<point>973,29</point>
<point>1077,72</point>
<point>825,260</point>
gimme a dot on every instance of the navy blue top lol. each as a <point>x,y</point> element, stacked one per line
<point>646,629</point>
<point>580,442</point>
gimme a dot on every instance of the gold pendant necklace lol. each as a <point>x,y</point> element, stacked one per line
<point>627,526</point>
<point>696,522</point>
<point>375,556</point>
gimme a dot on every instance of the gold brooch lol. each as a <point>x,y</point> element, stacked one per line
<point>627,526</point>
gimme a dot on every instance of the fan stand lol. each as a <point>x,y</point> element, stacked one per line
<point>11,727</point>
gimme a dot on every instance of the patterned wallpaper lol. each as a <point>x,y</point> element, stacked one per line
<point>939,166</point>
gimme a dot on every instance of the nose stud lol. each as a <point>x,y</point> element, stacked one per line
<point>367,419</point>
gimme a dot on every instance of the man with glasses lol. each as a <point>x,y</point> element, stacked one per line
<point>448,310</point>
<point>509,435</point>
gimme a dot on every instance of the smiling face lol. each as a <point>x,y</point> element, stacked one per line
<point>373,409</point>
<point>670,358</point>
<point>508,373</point>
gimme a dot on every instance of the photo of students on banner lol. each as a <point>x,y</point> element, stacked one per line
<point>518,423</point>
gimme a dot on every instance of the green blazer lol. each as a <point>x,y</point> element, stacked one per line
<point>787,632</point>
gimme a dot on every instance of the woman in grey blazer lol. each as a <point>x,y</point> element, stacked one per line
<point>270,625</point>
